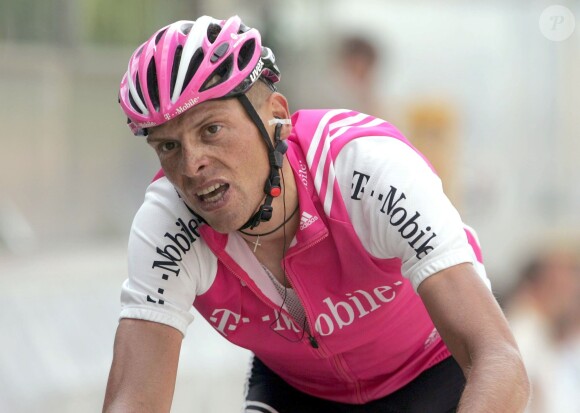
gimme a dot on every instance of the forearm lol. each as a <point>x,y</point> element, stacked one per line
<point>496,382</point>
<point>125,398</point>
<point>129,406</point>
<point>144,368</point>
<point>134,405</point>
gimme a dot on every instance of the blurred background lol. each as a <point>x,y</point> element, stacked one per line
<point>488,90</point>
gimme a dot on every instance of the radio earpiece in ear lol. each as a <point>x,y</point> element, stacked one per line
<point>279,121</point>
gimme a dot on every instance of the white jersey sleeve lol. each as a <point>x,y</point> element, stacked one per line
<point>169,264</point>
<point>398,209</point>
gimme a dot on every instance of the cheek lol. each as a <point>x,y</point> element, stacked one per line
<point>170,170</point>
<point>168,163</point>
<point>256,165</point>
<point>251,157</point>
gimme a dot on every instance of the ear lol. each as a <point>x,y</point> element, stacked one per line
<point>279,108</point>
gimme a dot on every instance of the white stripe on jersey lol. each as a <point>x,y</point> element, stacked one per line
<point>347,121</point>
<point>344,125</point>
<point>318,134</point>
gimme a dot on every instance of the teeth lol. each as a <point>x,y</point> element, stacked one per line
<point>208,190</point>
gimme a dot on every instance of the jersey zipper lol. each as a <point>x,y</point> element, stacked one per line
<point>310,331</point>
<point>311,338</point>
<point>337,360</point>
<point>340,364</point>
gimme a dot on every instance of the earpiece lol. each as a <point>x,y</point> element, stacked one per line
<point>279,121</point>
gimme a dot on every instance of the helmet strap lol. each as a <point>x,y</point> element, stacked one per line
<point>276,151</point>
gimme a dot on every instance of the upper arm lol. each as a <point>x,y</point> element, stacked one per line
<point>466,314</point>
<point>144,368</point>
<point>169,262</point>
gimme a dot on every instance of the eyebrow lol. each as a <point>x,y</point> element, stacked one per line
<point>151,140</point>
<point>207,115</point>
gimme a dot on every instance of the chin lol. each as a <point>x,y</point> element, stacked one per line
<point>225,226</point>
<point>222,230</point>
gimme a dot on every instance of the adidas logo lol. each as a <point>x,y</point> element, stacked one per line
<point>306,220</point>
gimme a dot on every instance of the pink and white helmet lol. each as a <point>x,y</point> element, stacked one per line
<point>189,62</point>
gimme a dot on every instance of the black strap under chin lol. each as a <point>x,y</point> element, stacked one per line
<point>256,119</point>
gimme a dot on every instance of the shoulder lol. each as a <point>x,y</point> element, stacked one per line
<point>162,212</point>
<point>162,208</point>
<point>323,134</point>
<point>169,264</point>
<point>161,193</point>
<point>390,157</point>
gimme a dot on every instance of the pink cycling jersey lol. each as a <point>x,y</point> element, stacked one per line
<point>374,223</point>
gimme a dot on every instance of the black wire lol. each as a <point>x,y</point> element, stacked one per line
<point>283,224</point>
<point>284,281</point>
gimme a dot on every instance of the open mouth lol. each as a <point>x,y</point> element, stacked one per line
<point>213,193</point>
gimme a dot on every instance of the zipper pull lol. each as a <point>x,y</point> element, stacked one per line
<point>313,341</point>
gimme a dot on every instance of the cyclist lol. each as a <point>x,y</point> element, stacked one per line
<point>321,241</point>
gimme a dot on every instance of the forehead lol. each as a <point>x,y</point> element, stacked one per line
<point>199,114</point>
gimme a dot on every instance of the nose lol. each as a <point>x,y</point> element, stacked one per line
<point>193,160</point>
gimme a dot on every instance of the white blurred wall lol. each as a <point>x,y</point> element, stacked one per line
<point>59,312</point>
<point>72,176</point>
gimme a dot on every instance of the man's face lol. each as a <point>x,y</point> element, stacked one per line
<point>214,156</point>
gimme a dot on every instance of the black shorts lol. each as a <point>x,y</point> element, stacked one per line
<point>436,390</point>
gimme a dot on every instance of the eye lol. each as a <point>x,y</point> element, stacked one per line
<point>167,146</point>
<point>212,129</point>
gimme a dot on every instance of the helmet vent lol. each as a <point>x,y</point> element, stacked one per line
<point>134,104</point>
<point>186,28</point>
<point>132,100</point>
<point>175,67</point>
<point>220,75</point>
<point>246,53</point>
<point>159,35</point>
<point>213,30</point>
<point>194,64</point>
<point>243,28</point>
<point>152,84</point>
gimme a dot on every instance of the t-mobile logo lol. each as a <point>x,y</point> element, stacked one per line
<point>225,320</point>
<point>356,304</point>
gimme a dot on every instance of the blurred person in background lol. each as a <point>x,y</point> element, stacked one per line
<point>543,313</point>
<point>321,241</point>
<point>431,122</point>
<point>358,63</point>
